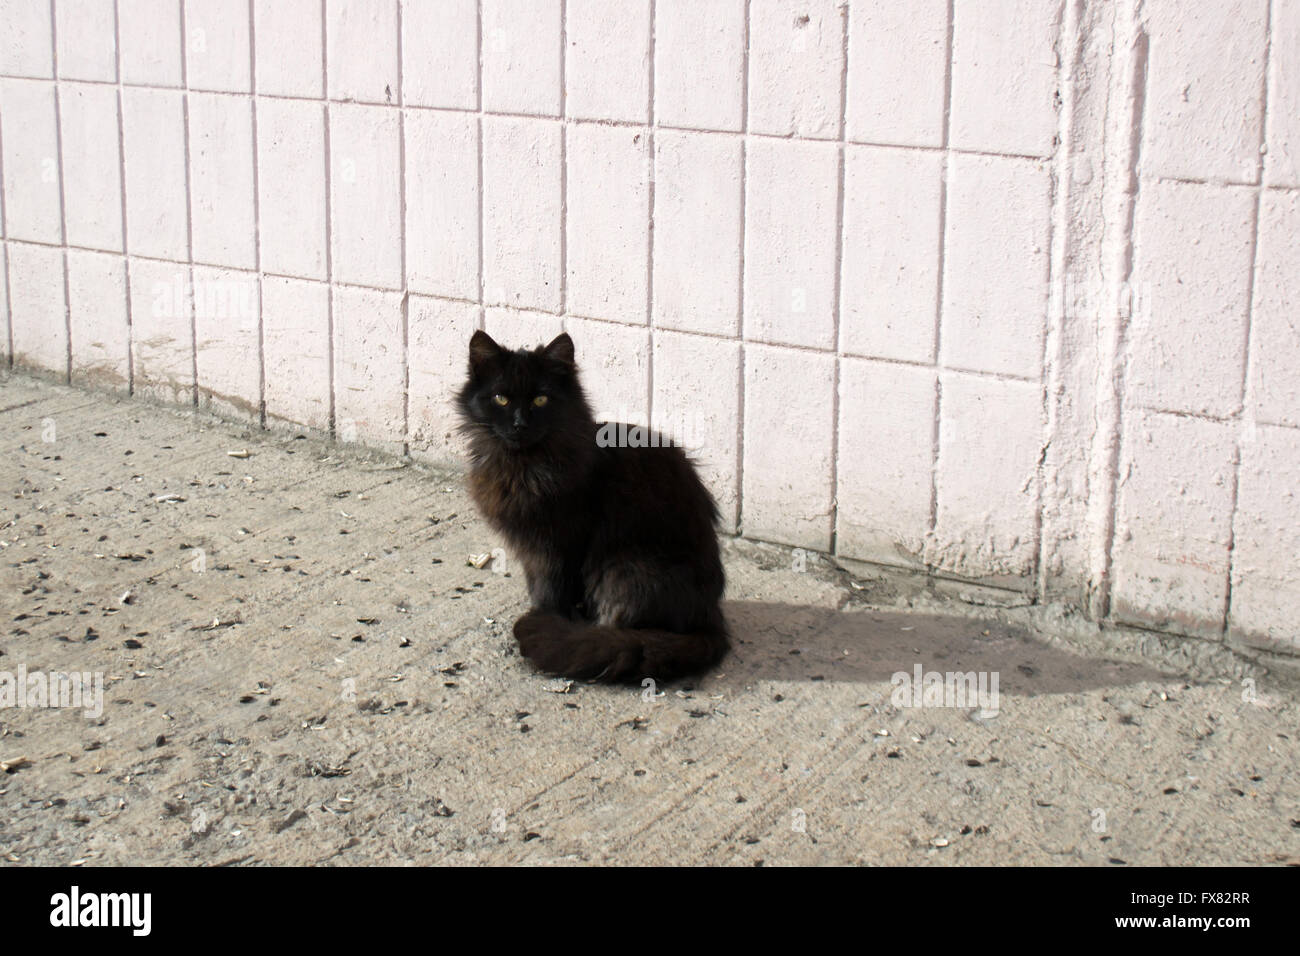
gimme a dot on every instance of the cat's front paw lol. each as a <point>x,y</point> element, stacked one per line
<point>540,635</point>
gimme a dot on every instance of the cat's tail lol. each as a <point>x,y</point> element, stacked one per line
<point>586,651</point>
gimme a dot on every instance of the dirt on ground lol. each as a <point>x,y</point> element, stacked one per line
<point>306,657</point>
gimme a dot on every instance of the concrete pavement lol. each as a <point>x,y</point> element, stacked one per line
<point>302,664</point>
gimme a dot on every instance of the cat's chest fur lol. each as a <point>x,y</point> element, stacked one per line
<point>527,501</point>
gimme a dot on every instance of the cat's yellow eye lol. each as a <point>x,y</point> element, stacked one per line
<point>540,400</point>
<point>501,400</point>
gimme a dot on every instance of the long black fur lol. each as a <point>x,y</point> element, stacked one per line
<point>618,544</point>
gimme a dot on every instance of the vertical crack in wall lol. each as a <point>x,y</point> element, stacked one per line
<point>838,291</point>
<point>1071,347</point>
<point>257,218</point>
<point>4,256</point>
<point>329,213</point>
<point>401,226</point>
<point>744,238</point>
<point>1068,55</point>
<point>1127,108</point>
<point>938,296</point>
<point>564,163</point>
<point>189,213</point>
<point>121,187</point>
<point>1246,418</point>
<point>649,167</point>
<point>478,132</point>
<point>63,202</point>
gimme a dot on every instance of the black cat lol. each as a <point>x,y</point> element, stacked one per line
<point>618,544</point>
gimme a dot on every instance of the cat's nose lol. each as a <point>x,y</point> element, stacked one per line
<point>519,423</point>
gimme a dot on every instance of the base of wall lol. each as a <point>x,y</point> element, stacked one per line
<point>1233,656</point>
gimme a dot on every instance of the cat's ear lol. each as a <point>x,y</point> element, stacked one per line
<point>482,350</point>
<point>561,349</point>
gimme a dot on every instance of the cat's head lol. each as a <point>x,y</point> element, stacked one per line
<point>518,398</point>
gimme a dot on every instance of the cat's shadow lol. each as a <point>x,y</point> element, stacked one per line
<point>785,642</point>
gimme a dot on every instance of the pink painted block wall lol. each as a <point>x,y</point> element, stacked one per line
<point>1004,292</point>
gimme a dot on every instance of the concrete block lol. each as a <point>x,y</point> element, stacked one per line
<point>789,445</point>
<point>607,71</point>
<point>149,38</point>
<point>4,301</point>
<point>1191,281</point>
<point>87,40</point>
<point>1204,109</point>
<point>608,222</point>
<point>889,289</point>
<point>224,230</point>
<point>1282,161</point>
<point>288,48</point>
<point>1274,391</point>
<point>28,48</point>
<point>296,350</point>
<point>369,368</point>
<point>1005,81</point>
<point>218,54</point>
<point>92,166</point>
<point>1173,524</point>
<point>521,329</point>
<point>153,137</point>
<point>1266,539</point>
<point>522,213</point>
<point>440,54</point>
<point>697,405</point>
<point>697,232</point>
<point>439,350</point>
<point>361,50</point>
<point>700,64</point>
<point>442,203</point>
<point>885,452</point>
<point>101,334</point>
<point>162,333</point>
<point>37,308</point>
<point>614,362</point>
<point>31,161</point>
<point>995,286</point>
<point>292,205</point>
<point>990,441</point>
<point>898,65</point>
<point>796,67</point>
<point>522,56</point>
<point>227,347</point>
<point>365,196</point>
<point>790,248</point>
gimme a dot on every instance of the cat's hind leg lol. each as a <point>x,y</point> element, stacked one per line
<point>648,620</point>
<point>645,593</point>
<point>553,584</point>
<point>559,645</point>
